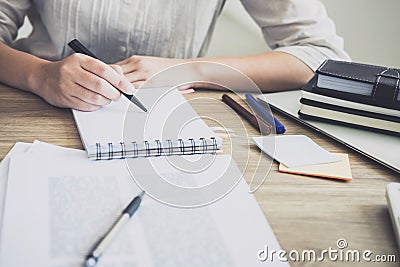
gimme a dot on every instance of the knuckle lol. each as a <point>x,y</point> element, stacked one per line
<point>85,60</point>
<point>136,60</point>
<point>76,57</point>
<point>101,70</point>
<point>116,95</point>
<point>139,64</point>
<point>65,67</point>
<point>132,59</point>
<point>96,99</point>
<point>98,85</point>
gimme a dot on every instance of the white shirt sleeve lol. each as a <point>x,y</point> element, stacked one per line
<point>298,27</point>
<point>12,14</point>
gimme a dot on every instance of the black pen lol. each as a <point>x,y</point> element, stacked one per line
<point>93,257</point>
<point>78,47</point>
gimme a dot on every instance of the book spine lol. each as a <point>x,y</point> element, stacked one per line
<point>154,148</point>
<point>348,124</point>
<point>357,112</point>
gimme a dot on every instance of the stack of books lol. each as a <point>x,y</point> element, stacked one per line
<point>355,94</point>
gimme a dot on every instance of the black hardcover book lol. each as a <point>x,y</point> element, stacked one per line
<point>362,83</point>
<point>328,108</point>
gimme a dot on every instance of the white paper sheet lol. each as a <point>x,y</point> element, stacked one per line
<point>18,148</point>
<point>294,150</point>
<point>59,203</point>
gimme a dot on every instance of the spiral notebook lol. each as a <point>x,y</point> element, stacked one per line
<point>170,127</point>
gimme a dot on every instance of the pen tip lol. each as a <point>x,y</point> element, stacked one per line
<point>141,194</point>
<point>138,104</point>
<point>90,262</point>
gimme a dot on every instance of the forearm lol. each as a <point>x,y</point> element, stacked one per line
<point>19,69</point>
<point>271,71</point>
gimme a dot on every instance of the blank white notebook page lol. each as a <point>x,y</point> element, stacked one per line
<point>169,116</point>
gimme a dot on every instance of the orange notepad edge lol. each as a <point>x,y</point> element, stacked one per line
<point>336,170</point>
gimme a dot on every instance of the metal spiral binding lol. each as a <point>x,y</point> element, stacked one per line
<point>167,148</point>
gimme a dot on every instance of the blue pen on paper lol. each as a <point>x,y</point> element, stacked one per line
<point>260,110</point>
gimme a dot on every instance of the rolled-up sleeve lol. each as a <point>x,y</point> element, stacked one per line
<point>298,27</point>
<point>12,14</point>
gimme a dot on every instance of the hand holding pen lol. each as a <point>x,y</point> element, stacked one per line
<point>81,49</point>
<point>80,82</point>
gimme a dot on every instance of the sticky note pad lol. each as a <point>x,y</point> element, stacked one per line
<point>336,170</point>
<point>294,150</point>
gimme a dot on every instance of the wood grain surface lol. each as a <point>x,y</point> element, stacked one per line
<point>305,213</point>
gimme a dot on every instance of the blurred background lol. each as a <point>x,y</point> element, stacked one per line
<point>370,29</point>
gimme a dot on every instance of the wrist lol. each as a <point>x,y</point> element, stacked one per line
<point>37,76</point>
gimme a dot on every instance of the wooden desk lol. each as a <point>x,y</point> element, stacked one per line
<point>305,213</point>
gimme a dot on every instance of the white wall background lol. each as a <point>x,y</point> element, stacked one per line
<point>370,28</point>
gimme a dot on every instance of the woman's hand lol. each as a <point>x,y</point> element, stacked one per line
<point>80,82</point>
<point>138,69</point>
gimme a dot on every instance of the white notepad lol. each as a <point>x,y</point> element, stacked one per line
<point>294,150</point>
<point>170,127</point>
